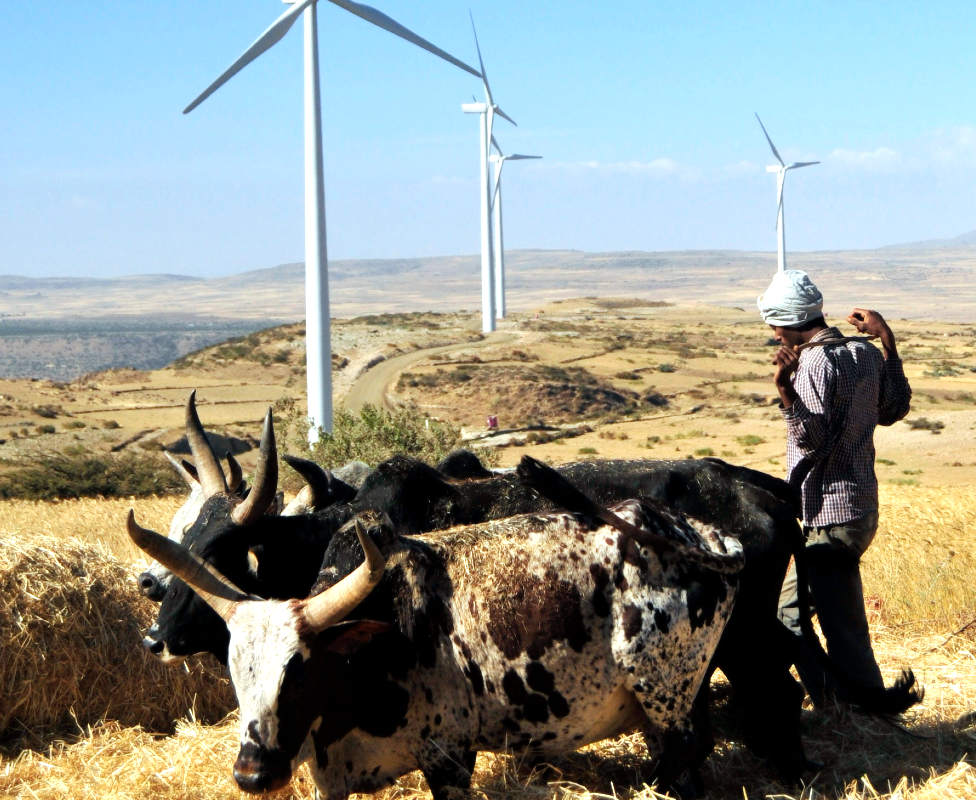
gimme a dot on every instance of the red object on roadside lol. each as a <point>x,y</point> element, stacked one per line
<point>492,422</point>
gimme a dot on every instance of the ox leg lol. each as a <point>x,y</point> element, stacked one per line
<point>449,771</point>
<point>770,699</point>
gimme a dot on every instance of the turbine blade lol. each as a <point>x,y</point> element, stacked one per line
<point>264,42</point>
<point>799,164</point>
<point>494,143</point>
<point>503,114</point>
<point>381,20</point>
<point>775,151</point>
<point>481,63</point>
<point>519,157</point>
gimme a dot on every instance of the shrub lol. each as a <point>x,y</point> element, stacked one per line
<point>587,451</point>
<point>110,425</point>
<point>46,429</point>
<point>47,412</point>
<point>750,440</point>
<point>704,451</point>
<point>372,435</point>
<point>82,474</point>
<point>75,423</point>
<point>925,424</point>
<point>667,368</point>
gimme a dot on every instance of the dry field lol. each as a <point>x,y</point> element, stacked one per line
<point>710,368</point>
<point>920,578</point>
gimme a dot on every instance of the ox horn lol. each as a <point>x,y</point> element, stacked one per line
<point>334,604</point>
<point>218,592</point>
<point>211,475</point>
<point>317,478</point>
<point>236,474</point>
<point>265,479</point>
<point>185,470</point>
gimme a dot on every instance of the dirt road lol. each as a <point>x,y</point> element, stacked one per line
<point>373,385</point>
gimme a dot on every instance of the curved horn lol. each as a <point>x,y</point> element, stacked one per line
<point>211,475</point>
<point>265,479</point>
<point>218,592</point>
<point>334,604</point>
<point>191,469</point>
<point>236,474</point>
<point>317,478</point>
<point>182,468</point>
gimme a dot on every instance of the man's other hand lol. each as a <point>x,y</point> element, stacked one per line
<point>873,324</point>
<point>867,321</point>
<point>786,361</point>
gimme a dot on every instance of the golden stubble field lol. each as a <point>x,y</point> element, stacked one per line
<point>920,575</point>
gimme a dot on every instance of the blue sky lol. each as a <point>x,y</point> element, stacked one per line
<point>642,110</point>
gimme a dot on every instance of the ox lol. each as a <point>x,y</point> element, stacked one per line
<point>755,653</point>
<point>535,633</point>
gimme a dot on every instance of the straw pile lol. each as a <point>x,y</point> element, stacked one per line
<point>71,621</point>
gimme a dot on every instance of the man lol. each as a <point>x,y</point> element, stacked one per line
<point>834,392</point>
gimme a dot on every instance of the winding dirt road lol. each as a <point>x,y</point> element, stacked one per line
<point>374,384</point>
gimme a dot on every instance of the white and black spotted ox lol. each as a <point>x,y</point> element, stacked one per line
<point>539,633</point>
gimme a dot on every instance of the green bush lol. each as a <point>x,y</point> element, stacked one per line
<point>750,440</point>
<point>80,474</point>
<point>46,429</point>
<point>373,435</point>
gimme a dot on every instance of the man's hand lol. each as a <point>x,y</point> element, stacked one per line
<point>786,361</point>
<point>873,324</point>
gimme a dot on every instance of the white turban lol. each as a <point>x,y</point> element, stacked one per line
<point>791,300</point>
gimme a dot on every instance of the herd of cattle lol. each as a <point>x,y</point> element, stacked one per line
<point>415,615</point>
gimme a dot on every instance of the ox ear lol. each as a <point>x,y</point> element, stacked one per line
<point>347,637</point>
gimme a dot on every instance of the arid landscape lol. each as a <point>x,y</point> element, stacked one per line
<point>148,320</point>
<point>575,378</point>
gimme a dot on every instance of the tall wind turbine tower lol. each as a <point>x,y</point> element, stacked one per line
<point>499,159</point>
<point>781,171</point>
<point>318,342</point>
<point>487,111</point>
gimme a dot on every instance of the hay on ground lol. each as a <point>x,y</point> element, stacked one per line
<point>71,621</point>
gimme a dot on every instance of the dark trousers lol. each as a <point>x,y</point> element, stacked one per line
<point>833,557</point>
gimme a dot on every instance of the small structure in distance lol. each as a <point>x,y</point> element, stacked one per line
<point>487,111</point>
<point>781,171</point>
<point>499,160</point>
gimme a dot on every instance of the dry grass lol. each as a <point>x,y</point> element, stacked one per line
<point>920,594</point>
<point>70,622</point>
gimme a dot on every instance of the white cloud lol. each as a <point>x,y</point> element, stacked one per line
<point>879,157</point>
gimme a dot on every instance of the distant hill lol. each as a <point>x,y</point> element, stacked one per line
<point>963,240</point>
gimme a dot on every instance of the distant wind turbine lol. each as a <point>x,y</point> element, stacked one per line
<point>317,326</point>
<point>499,160</point>
<point>781,171</point>
<point>487,110</point>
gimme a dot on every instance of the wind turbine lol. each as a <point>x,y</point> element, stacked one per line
<point>487,110</point>
<point>781,171</point>
<point>499,160</point>
<point>318,345</point>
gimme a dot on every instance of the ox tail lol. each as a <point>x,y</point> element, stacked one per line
<point>895,699</point>
<point>559,491</point>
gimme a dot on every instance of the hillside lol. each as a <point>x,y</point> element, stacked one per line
<point>648,380</point>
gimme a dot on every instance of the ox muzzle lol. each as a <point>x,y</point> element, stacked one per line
<point>259,770</point>
<point>150,586</point>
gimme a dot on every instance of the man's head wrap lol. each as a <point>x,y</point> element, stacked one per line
<point>791,300</point>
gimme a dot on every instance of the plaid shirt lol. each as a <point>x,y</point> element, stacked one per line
<point>845,391</point>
